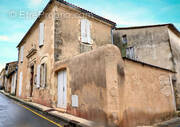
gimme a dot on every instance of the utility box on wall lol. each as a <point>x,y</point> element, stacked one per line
<point>74,101</point>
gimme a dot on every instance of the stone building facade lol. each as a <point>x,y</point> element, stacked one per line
<point>157,45</point>
<point>2,78</point>
<point>62,31</point>
<point>67,62</point>
<point>11,77</point>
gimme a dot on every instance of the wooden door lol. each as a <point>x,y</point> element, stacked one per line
<point>62,89</point>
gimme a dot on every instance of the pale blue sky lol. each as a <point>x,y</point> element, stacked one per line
<point>123,12</point>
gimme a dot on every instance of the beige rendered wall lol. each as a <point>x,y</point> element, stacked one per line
<point>147,95</point>
<point>44,54</point>
<point>68,32</point>
<point>175,46</point>
<point>2,74</point>
<point>151,45</point>
<point>113,92</point>
<point>94,78</point>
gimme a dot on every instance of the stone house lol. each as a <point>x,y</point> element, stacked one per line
<point>67,62</point>
<point>2,78</point>
<point>61,31</point>
<point>11,77</point>
<point>157,45</point>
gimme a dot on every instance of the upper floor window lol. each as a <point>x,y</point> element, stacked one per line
<point>124,39</point>
<point>85,31</point>
<point>41,34</point>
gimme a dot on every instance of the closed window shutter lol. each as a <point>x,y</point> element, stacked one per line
<point>83,31</point>
<point>20,83</point>
<point>41,34</point>
<point>38,75</point>
<point>22,53</point>
<point>45,75</point>
<point>88,30</point>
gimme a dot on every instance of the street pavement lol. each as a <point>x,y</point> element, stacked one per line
<point>12,114</point>
<point>171,123</point>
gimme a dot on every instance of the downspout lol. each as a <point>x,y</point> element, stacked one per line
<point>112,37</point>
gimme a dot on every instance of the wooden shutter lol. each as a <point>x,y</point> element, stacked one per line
<point>21,53</point>
<point>83,31</point>
<point>20,83</point>
<point>45,75</point>
<point>88,30</point>
<point>38,75</point>
<point>41,34</point>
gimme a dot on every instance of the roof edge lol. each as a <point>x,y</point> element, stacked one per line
<point>138,27</point>
<point>125,58</point>
<point>38,18</point>
<point>87,12</point>
<point>72,6</point>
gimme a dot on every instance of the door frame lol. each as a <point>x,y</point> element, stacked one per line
<point>64,95</point>
<point>31,79</point>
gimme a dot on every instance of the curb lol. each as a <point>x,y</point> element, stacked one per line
<point>64,119</point>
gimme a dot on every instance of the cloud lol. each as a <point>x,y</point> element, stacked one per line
<point>4,38</point>
<point>35,2</point>
<point>14,38</point>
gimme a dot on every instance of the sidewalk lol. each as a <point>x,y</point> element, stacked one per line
<point>72,120</point>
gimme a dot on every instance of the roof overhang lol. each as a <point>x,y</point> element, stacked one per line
<point>88,13</point>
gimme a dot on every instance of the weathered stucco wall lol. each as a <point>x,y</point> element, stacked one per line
<point>2,78</point>
<point>115,92</point>
<point>94,78</point>
<point>151,45</point>
<point>44,54</point>
<point>68,33</point>
<point>148,95</point>
<point>8,84</point>
<point>61,41</point>
<point>175,46</point>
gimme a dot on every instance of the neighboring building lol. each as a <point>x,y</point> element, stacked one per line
<point>61,32</point>
<point>157,45</point>
<point>2,78</point>
<point>11,77</point>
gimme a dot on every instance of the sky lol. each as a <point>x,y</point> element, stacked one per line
<point>15,20</point>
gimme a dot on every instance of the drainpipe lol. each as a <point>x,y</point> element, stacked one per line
<point>112,38</point>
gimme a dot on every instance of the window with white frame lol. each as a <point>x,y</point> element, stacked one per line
<point>124,39</point>
<point>130,52</point>
<point>41,75</point>
<point>85,31</point>
<point>41,34</point>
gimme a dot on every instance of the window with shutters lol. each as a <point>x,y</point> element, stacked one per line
<point>38,76</point>
<point>124,39</point>
<point>41,34</point>
<point>43,75</point>
<point>85,31</point>
<point>130,53</point>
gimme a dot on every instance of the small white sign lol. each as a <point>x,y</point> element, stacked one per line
<point>74,101</point>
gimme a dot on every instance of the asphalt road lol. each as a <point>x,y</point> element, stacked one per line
<point>12,114</point>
